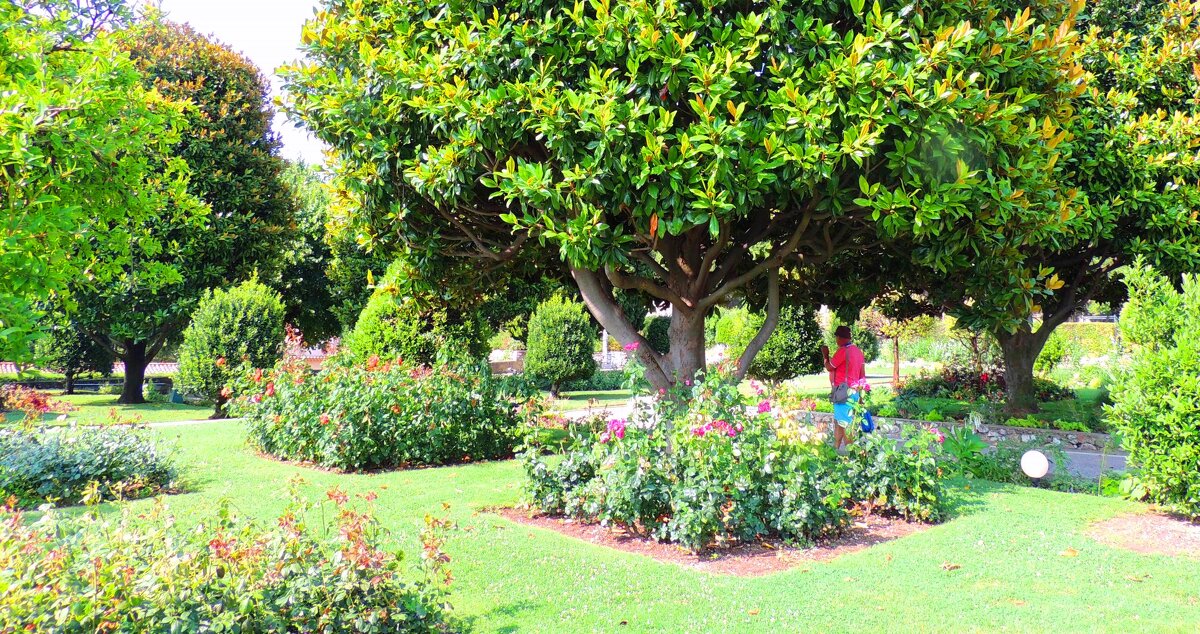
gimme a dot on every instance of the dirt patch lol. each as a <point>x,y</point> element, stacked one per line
<point>1150,533</point>
<point>743,560</point>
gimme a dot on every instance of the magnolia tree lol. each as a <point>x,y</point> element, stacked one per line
<point>84,146</point>
<point>1135,165</point>
<point>247,222</point>
<point>687,150</point>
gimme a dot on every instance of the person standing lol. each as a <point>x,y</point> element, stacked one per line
<point>847,368</point>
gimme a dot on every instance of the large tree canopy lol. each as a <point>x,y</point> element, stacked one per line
<point>687,149</point>
<point>1136,165</point>
<point>81,147</point>
<point>232,152</point>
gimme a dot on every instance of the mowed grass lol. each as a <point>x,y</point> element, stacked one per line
<point>1001,564</point>
<point>94,409</point>
<point>597,400</point>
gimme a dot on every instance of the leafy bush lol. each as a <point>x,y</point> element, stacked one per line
<point>560,343</point>
<point>68,466</point>
<point>901,479</point>
<point>735,327</point>
<point>1156,397</point>
<point>230,330</point>
<point>602,381</point>
<point>964,384</point>
<point>793,349</point>
<point>700,468</point>
<point>152,394</point>
<point>395,328</point>
<point>658,333</point>
<point>93,574</point>
<point>379,414</point>
<point>1091,339</point>
<point>1053,353</point>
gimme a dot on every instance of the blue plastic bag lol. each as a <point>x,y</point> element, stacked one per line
<point>868,423</point>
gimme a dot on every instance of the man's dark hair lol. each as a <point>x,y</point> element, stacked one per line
<point>842,332</point>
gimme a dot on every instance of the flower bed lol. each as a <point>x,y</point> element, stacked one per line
<point>710,470</point>
<point>378,415</point>
<point>85,574</point>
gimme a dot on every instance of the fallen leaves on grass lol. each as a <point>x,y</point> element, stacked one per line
<point>950,566</point>
<point>1070,552</point>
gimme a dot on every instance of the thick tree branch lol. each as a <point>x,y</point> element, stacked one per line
<point>773,261</point>
<point>606,311</point>
<point>764,333</point>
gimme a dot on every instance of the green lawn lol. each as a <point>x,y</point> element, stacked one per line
<point>573,401</point>
<point>96,408</point>
<point>509,578</point>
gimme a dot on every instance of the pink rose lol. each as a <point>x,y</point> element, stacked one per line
<point>764,407</point>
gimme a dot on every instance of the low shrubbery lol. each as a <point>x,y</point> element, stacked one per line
<point>87,574</point>
<point>374,415</point>
<point>560,343</point>
<point>965,384</point>
<point>1156,397</point>
<point>711,471</point>
<point>72,465</point>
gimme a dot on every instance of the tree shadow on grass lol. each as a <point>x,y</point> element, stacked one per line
<point>508,611</point>
<point>966,497</point>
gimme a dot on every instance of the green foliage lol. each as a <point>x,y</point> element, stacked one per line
<point>235,171</point>
<point>311,570</point>
<point>1053,353</point>
<point>661,145</point>
<point>392,328</point>
<point>793,348</point>
<point>152,394</point>
<point>69,466</point>
<point>712,472</point>
<point>560,343</point>
<point>230,331</point>
<point>901,479</point>
<point>85,151</point>
<point>69,351</point>
<point>658,333</point>
<point>735,327</point>
<point>1156,396</point>
<point>304,282</point>
<point>1091,339</point>
<point>378,415</point>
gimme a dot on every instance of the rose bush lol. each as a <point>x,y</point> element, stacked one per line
<point>375,415</point>
<point>704,466</point>
<point>92,574</point>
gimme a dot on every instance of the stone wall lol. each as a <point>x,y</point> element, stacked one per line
<point>995,433</point>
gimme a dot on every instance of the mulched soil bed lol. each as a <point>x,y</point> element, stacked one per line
<point>1150,533</point>
<point>743,560</point>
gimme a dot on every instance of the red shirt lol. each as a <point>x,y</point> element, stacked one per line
<point>849,366</point>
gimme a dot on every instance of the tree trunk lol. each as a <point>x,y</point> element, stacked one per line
<point>1021,349</point>
<point>554,390</point>
<point>896,362</point>
<point>136,360</point>
<point>69,383</point>
<point>687,344</point>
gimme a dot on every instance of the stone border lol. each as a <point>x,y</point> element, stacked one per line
<point>1083,441</point>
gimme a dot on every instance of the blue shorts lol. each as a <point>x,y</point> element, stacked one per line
<point>843,413</point>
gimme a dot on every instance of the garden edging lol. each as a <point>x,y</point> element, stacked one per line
<point>1083,441</point>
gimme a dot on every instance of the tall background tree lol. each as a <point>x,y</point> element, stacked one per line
<point>236,172</point>
<point>83,141</point>
<point>686,150</point>
<point>1135,162</point>
<point>304,280</point>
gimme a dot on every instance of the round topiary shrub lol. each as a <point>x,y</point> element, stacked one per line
<point>230,330</point>
<point>393,327</point>
<point>658,333</point>
<point>560,343</point>
<point>794,349</point>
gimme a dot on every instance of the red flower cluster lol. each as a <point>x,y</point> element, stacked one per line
<point>720,426</point>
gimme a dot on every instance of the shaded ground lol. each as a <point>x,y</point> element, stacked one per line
<point>743,560</point>
<point>1150,534</point>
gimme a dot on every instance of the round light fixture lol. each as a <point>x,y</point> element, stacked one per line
<point>1035,464</point>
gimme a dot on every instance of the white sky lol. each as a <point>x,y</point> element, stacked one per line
<point>266,31</point>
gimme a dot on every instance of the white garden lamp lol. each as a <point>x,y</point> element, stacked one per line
<point>1035,464</point>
